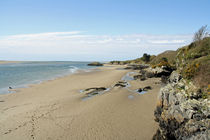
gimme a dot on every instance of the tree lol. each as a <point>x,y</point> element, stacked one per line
<point>146,57</point>
<point>200,34</point>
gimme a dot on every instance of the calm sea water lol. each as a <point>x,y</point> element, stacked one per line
<point>18,75</point>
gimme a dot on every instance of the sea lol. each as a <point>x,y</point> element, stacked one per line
<point>20,75</point>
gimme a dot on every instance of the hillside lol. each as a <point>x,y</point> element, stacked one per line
<point>183,107</point>
<point>170,55</point>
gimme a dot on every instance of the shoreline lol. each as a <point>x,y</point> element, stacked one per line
<point>28,85</point>
<point>14,88</point>
<point>103,116</point>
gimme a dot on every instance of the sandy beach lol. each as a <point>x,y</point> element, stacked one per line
<point>55,110</point>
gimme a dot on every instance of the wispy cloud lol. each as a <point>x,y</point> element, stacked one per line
<point>76,45</point>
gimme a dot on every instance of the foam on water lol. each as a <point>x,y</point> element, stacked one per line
<point>19,75</point>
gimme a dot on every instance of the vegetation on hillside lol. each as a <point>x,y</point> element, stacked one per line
<point>192,61</point>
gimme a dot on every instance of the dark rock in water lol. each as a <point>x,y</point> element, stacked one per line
<point>147,88</point>
<point>94,91</point>
<point>10,87</point>
<point>121,84</point>
<point>95,64</point>
<point>140,90</point>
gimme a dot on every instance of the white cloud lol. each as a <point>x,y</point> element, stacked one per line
<point>79,46</point>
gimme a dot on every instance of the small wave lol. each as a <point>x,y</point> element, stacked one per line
<point>73,69</point>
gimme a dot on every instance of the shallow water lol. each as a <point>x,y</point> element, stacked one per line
<point>19,75</point>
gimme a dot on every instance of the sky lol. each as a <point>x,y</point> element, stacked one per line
<point>103,30</point>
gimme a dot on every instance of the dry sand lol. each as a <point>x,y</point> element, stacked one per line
<point>54,110</point>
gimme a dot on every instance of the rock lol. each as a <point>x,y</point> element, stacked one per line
<point>180,111</point>
<point>139,90</point>
<point>175,77</point>
<point>143,78</point>
<point>95,64</point>
<point>135,77</point>
<point>147,88</point>
<point>149,74</point>
<point>164,79</point>
<point>157,72</point>
<point>10,87</point>
<point>121,84</point>
<point>139,76</point>
<point>94,91</point>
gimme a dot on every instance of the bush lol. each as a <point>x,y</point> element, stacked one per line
<point>190,70</point>
<point>146,57</point>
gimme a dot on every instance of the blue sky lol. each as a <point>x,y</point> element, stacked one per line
<point>107,23</point>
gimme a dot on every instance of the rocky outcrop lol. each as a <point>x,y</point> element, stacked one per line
<point>121,84</point>
<point>158,72</point>
<point>181,112</point>
<point>162,72</point>
<point>93,91</point>
<point>95,64</point>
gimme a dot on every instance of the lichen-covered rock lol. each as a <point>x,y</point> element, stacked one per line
<point>181,112</point>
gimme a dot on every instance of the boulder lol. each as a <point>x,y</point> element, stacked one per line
<point>95,64</point>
